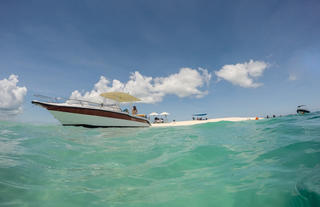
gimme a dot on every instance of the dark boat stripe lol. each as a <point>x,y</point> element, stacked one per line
<point>94,112</point>
<point>95,126</point>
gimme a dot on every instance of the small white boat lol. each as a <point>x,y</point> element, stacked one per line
<point>200,116</point>
<point>302,110</point>
<point>90,114</point>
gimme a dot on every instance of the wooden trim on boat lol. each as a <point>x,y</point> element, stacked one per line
<point>92,112</point>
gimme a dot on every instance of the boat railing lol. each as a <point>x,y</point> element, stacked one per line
<point>115,107</point>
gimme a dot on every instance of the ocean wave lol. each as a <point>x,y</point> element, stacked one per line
<point>252,163</point>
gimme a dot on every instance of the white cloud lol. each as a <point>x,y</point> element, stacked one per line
<point>187,82</point>
<point>184,83</point>
<point>243,74</point>
<point>11,96</point>
<point>292,77</point>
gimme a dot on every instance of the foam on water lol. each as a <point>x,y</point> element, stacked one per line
<point>271,162</point>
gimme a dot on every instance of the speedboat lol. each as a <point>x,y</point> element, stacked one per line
<point>302,110</point>
<point>75,112</point>
<point>200,116</point>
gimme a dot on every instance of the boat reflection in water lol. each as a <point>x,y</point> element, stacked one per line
<point>75,112</point>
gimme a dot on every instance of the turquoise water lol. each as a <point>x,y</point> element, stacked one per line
<point>274,162</point>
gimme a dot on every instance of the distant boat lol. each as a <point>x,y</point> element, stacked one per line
<point>302,110</point>
<point>89,114</point>
<point>199,116</point>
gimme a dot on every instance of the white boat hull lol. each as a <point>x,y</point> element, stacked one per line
<point>73,119</point>
<point>71,115</point>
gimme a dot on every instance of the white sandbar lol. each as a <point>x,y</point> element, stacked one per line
<point>193,122</point>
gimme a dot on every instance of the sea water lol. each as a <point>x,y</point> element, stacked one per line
<point>270,162</point>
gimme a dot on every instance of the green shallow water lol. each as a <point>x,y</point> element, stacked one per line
<point>274,162</point>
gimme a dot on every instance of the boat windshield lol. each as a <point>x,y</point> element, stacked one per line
<point>81,103</point>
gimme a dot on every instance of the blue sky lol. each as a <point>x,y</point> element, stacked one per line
<point>56,47</point>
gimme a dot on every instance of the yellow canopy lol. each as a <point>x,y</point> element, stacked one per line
<point>120,97</point>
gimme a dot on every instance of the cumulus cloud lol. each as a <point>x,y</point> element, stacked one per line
<point>243,74</point>
<point>187,82</point>
<point>11,96</point>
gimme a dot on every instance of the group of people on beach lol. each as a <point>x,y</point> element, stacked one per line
<point>273,116</point>
<point>199,118</point>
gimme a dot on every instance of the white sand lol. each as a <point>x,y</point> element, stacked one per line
<point>193,122</point>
